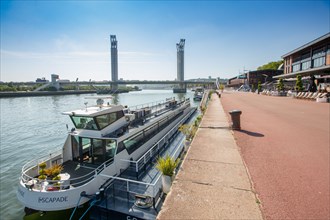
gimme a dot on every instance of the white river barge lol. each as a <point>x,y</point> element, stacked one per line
<point>110,144</point>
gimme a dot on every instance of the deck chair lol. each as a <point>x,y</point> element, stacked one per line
<point>318,95</point>
<point>313,96</point>
<point>306,95</point>
<point>323,95</point>
<point>309,95</point>
<point>301,95</point>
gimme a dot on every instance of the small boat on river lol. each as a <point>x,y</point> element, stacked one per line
<point>198,95</point>
<point>105,140</point>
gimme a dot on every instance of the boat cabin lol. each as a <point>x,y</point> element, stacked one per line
<point>90,141</point>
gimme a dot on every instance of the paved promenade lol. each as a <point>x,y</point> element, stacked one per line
<point>285,145</point>
<point>213,182</point>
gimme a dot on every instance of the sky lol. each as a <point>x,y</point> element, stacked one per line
<point>222,38</point>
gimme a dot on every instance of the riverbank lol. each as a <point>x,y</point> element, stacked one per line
<point>43,93</point>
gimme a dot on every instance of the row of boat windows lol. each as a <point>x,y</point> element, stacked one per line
<point>136,141</point>
<point>97,122</point>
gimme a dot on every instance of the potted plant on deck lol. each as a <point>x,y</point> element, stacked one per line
<point>53,174</point>
<point>189,130</point>
<point>186,130</point>
<point>167,167</point>
<point>42,173</point>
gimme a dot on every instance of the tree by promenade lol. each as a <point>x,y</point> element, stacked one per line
<point>271,65</point>
<point>299,84</point>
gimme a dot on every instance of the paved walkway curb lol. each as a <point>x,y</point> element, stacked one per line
<point>213,182</point>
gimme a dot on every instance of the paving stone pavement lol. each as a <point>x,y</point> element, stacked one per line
<point>213,182</point>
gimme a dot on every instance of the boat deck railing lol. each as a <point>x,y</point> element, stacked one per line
<point>151,105</point>
<point>31,169</point>
<point>140,187</point>
<point>155,149</point>
<point>33,165</point>
<point>121,190</point>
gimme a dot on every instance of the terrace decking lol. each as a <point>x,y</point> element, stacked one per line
<point>77,170</point>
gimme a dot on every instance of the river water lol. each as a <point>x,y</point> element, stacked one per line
<point>34,126</point>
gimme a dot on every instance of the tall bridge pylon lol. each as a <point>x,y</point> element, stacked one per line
<point>180,60</point>
<point>180,66</point>
<point>114,61</point>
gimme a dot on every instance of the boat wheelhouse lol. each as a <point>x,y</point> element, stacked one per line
<point>104,143</point>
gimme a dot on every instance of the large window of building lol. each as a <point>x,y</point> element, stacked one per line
<point>318,57</point>
<point>319,62</point>
<point>296,67</point>
<point>306,64</point>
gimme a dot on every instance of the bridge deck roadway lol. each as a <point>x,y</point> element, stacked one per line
<point>285,145</point>
<point>213,182</point>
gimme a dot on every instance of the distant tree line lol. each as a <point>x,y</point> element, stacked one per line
<point>271,65</point>
<point>11,87</point>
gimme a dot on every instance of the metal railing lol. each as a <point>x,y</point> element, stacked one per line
<point>140,163</point>
<point>32,167</point>
<point>139,187</point>
<point>154,104</point>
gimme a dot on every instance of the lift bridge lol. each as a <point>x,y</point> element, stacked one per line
<point>180,85</point>
<point>209,83</point>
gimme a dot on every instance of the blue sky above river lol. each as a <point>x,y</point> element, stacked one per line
<point>71,38</point>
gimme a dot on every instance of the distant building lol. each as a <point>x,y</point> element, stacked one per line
<point>312,58</point>
<point>42,80</point>
<point>253,77</point>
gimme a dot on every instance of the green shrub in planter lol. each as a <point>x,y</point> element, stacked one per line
<point>42,165</point>
<point>259,87</point>
<point>58,177</point>
<point>42,177</point>
<point>280,85</point>
<point>167,165</point>
<point>54,170</point>
<point>299,84</point>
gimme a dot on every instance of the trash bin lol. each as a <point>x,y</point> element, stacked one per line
<point>235,118</point>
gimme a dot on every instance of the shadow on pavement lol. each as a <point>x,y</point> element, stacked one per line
<point>254,134</point>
